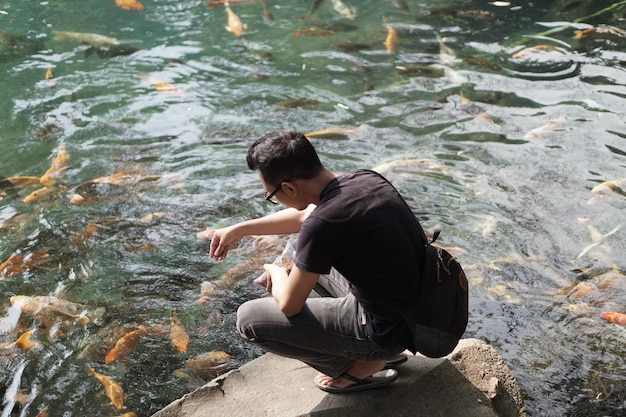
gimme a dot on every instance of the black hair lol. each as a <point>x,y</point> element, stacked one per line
<point>284,155</point>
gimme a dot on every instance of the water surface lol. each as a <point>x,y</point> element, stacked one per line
<point>504,153</point>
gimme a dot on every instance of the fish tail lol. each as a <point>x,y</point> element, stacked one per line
<point>60,36</point>
<point>579,35</point>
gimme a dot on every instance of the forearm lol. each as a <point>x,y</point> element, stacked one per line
<point>282,222</point>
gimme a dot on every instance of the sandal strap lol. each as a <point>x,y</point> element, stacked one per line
<point>352,378</point>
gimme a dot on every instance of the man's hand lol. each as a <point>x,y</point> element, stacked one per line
<point>221,241</point>
<point>273,270</point>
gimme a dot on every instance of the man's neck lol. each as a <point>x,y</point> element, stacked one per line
<point>316,185</point>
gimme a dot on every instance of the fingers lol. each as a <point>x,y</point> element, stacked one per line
<point>205,234</point>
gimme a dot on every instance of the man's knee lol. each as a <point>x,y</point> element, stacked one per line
<point>245,316</point>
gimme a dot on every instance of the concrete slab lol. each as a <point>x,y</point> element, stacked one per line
<point>274,386</point>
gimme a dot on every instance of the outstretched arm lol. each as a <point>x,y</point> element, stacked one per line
<point>281,222</point>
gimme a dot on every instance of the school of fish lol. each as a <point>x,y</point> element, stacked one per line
<point>44,319</point>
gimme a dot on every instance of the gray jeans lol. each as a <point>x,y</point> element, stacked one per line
<point>328,334</point>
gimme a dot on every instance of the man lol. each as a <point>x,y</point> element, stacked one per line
<point>358,242</point>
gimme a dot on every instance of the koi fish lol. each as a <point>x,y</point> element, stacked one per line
<point>113,390</point>
<point>23,342</point>
<point>178,334</point>
<point>234,23</point>
<point>214,4</point>
<point>126,178</point>
<point>401,4</point>
<point>210,364</point>
<point>315,6</point>
<point>57,168</point>
<point>343,10</point>
<point>580,290</point>
<point>207,291</point>
<point>313,32</point>
<point>92,39</point>
<point>614,317</point>
<point>480,14</point>
<point>50,77</point>
<point>409,165</point>
<point>152,217</point>
<point>391,41</point>
<point>597,238</point>
<point>127,343</point>
<point>88,232</point>
<point>39,195</point>
<point>49,309</point>
<point>545,128</point>
<point>607,188</point>
<point>603,32</point>
<point>446,54</point>
<point>25,181</point>
<point>162,85</point>
<point>18,264</point>
<point>129,4</point>
<point>334,131</point>
<point>532,49</point>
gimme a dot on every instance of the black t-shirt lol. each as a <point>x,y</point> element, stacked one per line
<point>363,228</point>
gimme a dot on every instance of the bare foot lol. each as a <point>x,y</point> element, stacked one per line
<point>360,369</point>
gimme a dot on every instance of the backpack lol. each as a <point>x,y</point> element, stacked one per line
<point>439,318</point>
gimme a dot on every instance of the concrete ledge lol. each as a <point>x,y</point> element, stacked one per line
<point>473,381</point>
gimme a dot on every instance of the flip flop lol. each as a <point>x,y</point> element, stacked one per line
<point>395,361</point>
<point>379,379</point>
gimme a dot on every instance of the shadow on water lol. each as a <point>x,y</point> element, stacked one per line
<point>501,124</point>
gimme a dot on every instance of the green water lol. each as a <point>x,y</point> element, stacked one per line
<point>518,207</point>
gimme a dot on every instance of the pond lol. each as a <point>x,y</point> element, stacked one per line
<point>124,131</point>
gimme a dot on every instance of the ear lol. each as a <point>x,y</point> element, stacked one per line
<point>290,188</point>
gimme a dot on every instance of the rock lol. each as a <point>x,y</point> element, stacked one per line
<point>485,369</point>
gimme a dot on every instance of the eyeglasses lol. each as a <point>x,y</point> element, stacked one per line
<point>270,196</point>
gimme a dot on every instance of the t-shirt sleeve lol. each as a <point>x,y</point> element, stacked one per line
<point>317,247</point>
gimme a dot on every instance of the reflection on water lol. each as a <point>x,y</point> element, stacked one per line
<point>502,124</point>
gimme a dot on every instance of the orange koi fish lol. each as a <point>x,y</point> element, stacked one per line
<point>313,32</point>
<point>178,334</point>
<point>234,23</point>
<point>88,232</point>
<point>214,4</point>
<point>24,181</point>
<point>18,264</point>
<point>532,49</point>
<point>603,31</point>
<point>162,85</point>
<point>39,194</point>
<point>57,168</point>
<point>129,4</point>
<point>23,342</point>
<point>125,344</point>
<point>131,339</point>
<point>614,317</point>
<point>113,390</point>
<point>392,39</point>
